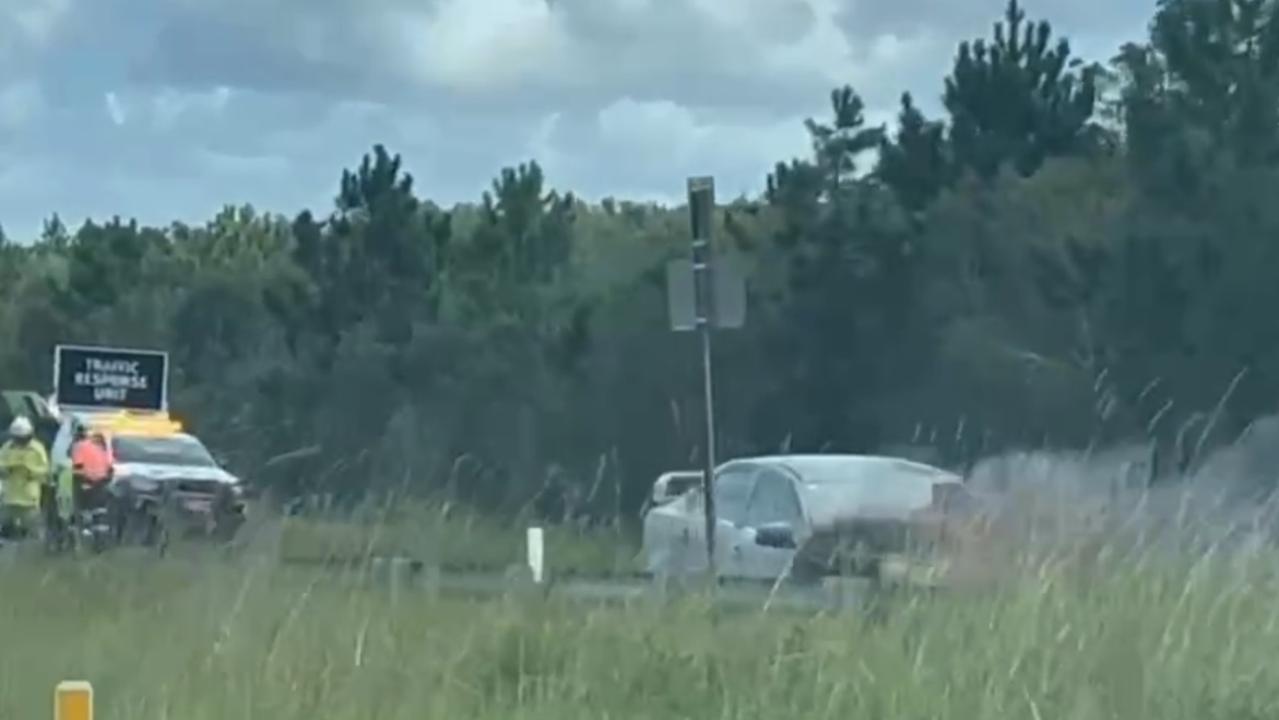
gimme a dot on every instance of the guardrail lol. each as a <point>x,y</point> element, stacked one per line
<point>401,575</point>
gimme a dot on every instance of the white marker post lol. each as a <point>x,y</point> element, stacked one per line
<point>536,554</point>
<point>73,700</point>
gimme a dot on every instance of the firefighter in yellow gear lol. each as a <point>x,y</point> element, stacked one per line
<point>24,469</point>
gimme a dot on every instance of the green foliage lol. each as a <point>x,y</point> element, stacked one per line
<point>1019,99</point>
<point>1019,271</point>
<point>1223,59</point>
<point>916,163</point>
<point>1202,96</point>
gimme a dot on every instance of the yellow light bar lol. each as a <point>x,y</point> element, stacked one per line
<point>132,423</point>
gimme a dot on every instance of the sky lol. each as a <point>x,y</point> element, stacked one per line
<point>169,110</point>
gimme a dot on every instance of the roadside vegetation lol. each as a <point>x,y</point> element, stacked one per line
<point>1131,636</point>
<point>1061,253</point>
<point>453,538</point>
<point>1069,257</point>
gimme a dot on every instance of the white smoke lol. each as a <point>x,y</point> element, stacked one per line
<point>1223,501</point>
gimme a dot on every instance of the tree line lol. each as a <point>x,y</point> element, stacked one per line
<point>1074,254</point>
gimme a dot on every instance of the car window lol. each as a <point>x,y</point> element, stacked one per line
<point>162,450</point>
<point>774,501</point>
<point>732,494</point>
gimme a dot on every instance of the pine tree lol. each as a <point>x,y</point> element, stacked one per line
<point>916,162</point>
<point>1019,99</point>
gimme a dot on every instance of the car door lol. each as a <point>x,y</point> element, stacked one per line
<point>679,546</point>
<point>774,501</point>
<point>733,488</point>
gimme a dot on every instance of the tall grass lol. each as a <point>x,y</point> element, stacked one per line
<point>1106,605</point>
<point>452,537</point>
<point>1139,635</point>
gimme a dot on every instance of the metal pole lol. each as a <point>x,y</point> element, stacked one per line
<point>708,466</point>
<point>701,201</point>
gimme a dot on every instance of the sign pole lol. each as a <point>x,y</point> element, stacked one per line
<point>701,204</point>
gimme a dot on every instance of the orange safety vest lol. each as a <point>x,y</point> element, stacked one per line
<point>90,460</point>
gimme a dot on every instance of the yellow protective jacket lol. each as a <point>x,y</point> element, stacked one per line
<point>23,468</point>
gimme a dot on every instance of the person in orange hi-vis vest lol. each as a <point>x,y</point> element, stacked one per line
<point>90,468</point>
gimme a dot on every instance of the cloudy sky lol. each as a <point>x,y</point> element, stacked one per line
<point>168,109</point>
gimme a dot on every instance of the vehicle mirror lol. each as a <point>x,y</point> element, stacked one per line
<point>672,485</point>
<point>775,535</point>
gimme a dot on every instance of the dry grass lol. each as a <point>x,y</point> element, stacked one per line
<point>1083,617</point>
<point>1142,636</point>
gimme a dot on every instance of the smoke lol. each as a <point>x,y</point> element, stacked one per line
<point>1122,495</point>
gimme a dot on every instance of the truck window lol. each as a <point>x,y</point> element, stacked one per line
<point>732,493</point>
<point>162,450</point>
<point>774,501</point>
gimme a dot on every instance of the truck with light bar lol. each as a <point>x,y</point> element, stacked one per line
<point>164,481</point>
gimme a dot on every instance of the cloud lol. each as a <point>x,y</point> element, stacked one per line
<point>20,103</point>
<point>657,144</point>
<point>169,106</point>
<point>31,22</point>
<point>502,53</point>
<point>248,166</point>
<point>1095,29</point>
<point>115,108</point>
<point>168,110</point>
<point>452,45</point>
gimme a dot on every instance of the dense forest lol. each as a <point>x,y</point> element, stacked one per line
<point>1073,255</point>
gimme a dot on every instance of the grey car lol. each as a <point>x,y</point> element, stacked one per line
<point>807,516</point>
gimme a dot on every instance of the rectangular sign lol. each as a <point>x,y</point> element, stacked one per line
<point>729,278</point>
<point>110,378</point>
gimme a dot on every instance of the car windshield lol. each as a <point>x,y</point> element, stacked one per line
<point>880,481</point>
<point>165,450</point>
<point>843,472</point>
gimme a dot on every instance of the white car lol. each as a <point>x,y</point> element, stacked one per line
<point>804,515</point>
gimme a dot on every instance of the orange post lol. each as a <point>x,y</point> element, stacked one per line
<point>73,700</point>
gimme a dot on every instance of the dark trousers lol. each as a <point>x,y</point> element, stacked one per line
<point>88,495</point>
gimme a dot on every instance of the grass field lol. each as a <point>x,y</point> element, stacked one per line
<point>243,638</point>
<point>454,538</point>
